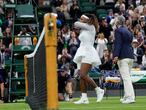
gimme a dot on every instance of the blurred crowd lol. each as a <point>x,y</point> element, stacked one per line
<point>135,15</point>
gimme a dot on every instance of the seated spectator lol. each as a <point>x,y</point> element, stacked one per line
<point>7,41</point>
<point>120,6</point>
<point>105,28</point>
<point>65,84</point>
<point>138,53</point>
<point>60,15</point>
<point>7,38</point>
<point>110,16</point>
<point>106,61</point>
<point>144,12</point>
<point>65,9</point>
<point>140,39</point>
<point>66,34</point>
<point>65,54</point>
<point>64,58</point>
<point>144,61</point>
<point>60,42</point>
<point>144,44</point>
<point>1,3</point>
<point>75,10</point>
<point>56,3</point>
<point>8,20</point>
<point>73,43</point>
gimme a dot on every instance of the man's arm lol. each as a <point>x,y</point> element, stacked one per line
<point>117,44</point>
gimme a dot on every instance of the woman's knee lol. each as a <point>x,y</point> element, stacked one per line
<point>83,76</point>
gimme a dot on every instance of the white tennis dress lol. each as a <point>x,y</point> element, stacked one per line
<point>86,53</point>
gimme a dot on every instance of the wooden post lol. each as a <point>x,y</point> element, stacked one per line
<point>51,61</point>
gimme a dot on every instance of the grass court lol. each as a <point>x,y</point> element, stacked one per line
<point>112,103</point>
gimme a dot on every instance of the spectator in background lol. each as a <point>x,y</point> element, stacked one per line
<point>7,37</point>
<point>8,21</point>
<point>66,35</point>
<point>2,17</point>
<point>140,7</point>
<point>7,41</point>
<point>106,61</point>
<point>105,28</point>
<point>140,39</point>
<point>1,3</point>
<point>112,22</point>
<point>1,10</point>
<point>143,67</point>
<point>73,43</point>
<point>64,58</point>
<point>2,73</point>
<point>144,11</point>
<point>142,22</point>
<point>120,6</point>
<point>60,15</point>
<point>138,53</point>
<point>129,25</point>
<point>144,44</point>
<point>110,16</point>
<point>75,10</point>
<point>56,3</point>
<point>123,55</point>
<point>66,54</point>
<point>65,9</point>
<point>101,42</point>
<point>60,42</point>
<point>136,15</point>
<point>86,56</point>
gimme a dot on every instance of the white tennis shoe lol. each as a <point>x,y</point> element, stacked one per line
<point>100,94</point>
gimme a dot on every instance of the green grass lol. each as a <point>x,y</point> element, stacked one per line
<point>112,103</point>
<point>20,105</point>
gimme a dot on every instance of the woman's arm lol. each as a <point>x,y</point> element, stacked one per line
<point>81,25</point>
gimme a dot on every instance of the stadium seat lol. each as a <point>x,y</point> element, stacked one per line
<point>24,11</point>
<point>102,16</point>
<point>87,7</point>
<point>101,12</point>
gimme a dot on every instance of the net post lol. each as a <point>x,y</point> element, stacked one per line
<point>51,61</point>
<point>26,76</point>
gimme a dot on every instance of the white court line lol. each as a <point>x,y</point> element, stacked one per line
<point>88,108</point>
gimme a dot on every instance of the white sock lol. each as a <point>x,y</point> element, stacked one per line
<point>84,95</point>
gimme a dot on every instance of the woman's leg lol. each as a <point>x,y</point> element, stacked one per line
<point>84,78</point>
<point>87,80</point>
<point>84,81</point>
